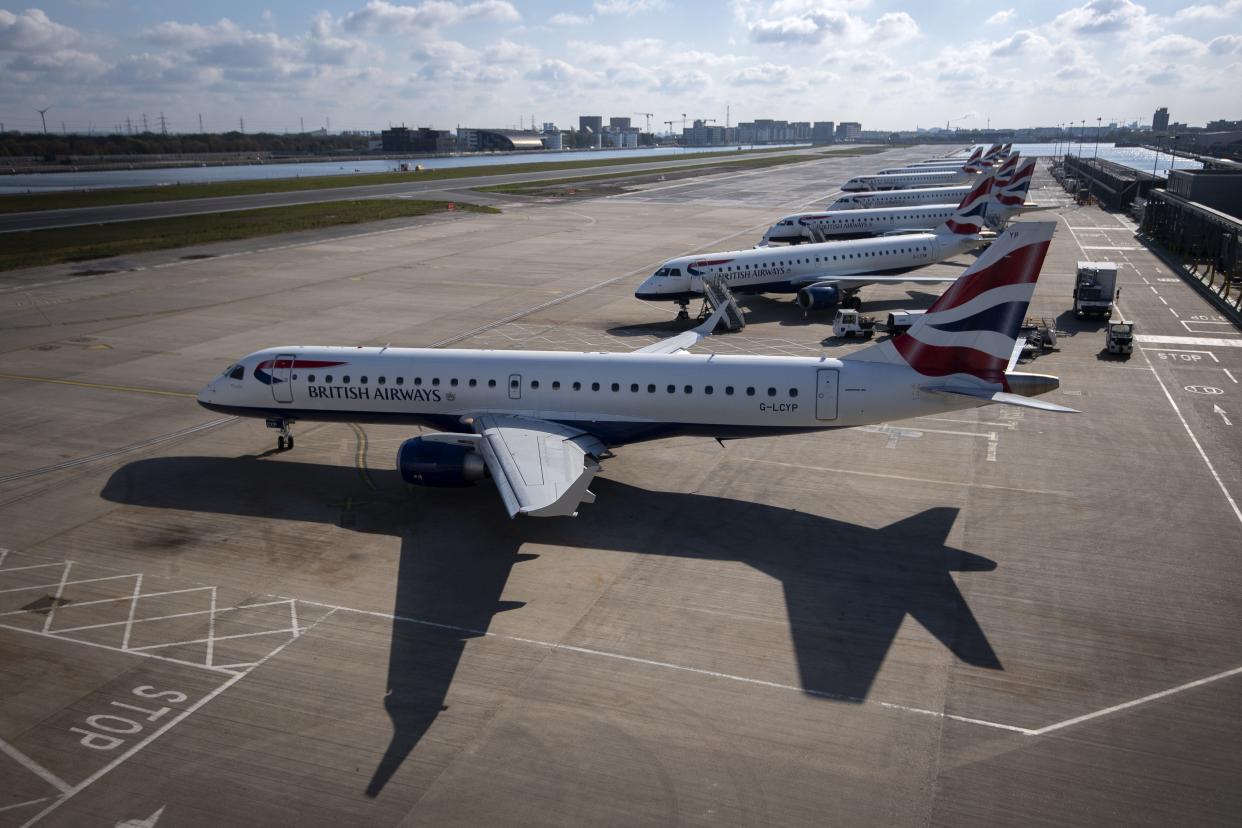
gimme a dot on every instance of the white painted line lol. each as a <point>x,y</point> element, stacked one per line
<point>211,629</point>
<point>60,589</point>
<point>295,633</point>
<point>71,583</point>
<point>1224,415</point>
<point>34,767</point>
<point>114,600</point>
<point>90,780</point>
<point>1153,290</point>
<point>23,804</point>
<point>1203,454</point>
<point>1188,340</point>
<point>188,614</point>
<point>1190,685</point>
<point>33,566</point>
<point>901,477</point>
<point>1226,370</point>
<point>133,606</point>
<point>1162,299</point>
<point>1180,351</point>
<point>98,646</point>
<point>1105,247</point>
<point>1173,312</point>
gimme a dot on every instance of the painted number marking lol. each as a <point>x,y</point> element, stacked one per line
<point>1204,389</point>
<point>108,731</point>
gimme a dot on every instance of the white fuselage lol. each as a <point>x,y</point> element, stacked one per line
<point>924,196</point>
<point>788,269</point>
<point>619,397</point>
<point>907,180</point>
<point>857,224</point>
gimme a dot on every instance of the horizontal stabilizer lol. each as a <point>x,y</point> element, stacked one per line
<point>1001,397</point>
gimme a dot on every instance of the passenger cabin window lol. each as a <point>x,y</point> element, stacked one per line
<point>310,377</point>
<point>453,382</point>
<point>616,386</point>
<point>362,380</point>
<point>577,386</point>
<point>595,386</point>
<point>473,383</point>
<point>750,392</point>
<point>400,380</point>
<point>381,380</point>
<point>534,385</point>
<point>556,385</point>
<point>345,379</point>
<point>327,378</point>
<point>491,383</point>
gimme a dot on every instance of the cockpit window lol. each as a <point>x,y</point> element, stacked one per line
<point>238,372</point>
<point>674,271</point>
<point>661,272</point>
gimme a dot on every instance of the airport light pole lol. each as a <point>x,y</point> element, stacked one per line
<point>1098,121</point>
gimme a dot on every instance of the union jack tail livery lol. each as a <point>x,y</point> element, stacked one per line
<point>1012,192</point>
<point>967,343</point>
<point>970,215</point>
<point>1006,171</point>
<point>972,164</point>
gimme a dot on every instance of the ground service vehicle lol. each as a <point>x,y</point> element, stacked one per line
<point>1119,337</point>
<point>849,323</point>
<point>1094,289</point>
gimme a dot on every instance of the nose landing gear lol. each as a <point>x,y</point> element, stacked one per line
<point>683,314</point>
<point>284,441</point>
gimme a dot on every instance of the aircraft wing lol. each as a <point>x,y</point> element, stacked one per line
<point>541,468</point>
<point>685,340</point>
<point>1001,397</point>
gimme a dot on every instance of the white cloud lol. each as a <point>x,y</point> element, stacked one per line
<point>1001,18</point>
<point>33,31</point>
<point>894,27</point>
<point>555,71</point>
<point>798,23</point>
<point>1210,11</point>
<point>765,74</point>
<point>1225,45</point>
<point>1098,17</point>
<point>563,19</point>
<point>1018,44</point>
<point>379,16</point>
<point>627,6</point>
<point>1175,46</point>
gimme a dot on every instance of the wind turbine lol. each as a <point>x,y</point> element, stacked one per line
<point>43,115</point>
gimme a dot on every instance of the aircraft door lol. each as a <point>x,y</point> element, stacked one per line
<point>826,393</point>
<point>282,370</point>
<point>515,386</point>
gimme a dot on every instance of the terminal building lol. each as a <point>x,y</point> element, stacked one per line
<point>470,139</point>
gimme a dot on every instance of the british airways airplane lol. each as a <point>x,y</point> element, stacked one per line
<point>907,180</point>
<point>1007,199</point>
<point>827,274</point>
<point>919,196</point>
<point>540,423</point>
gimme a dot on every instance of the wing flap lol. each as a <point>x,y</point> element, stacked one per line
<point>540,468</point>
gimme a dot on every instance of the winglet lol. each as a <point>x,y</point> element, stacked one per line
<point>686,339</point>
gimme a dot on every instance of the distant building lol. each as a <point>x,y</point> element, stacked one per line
<point>591,123</point>
<point>1160,121</point>
<point>823,132</point>
<point>849,131</point>
<point>493,140</point>
<point>619,123</point>
<point>422,140</point>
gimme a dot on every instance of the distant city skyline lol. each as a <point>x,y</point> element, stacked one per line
<point>366,64</point>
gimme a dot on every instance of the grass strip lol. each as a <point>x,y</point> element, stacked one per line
<point>527,187</point>
<point>73,244</point>
<point>141,195</point>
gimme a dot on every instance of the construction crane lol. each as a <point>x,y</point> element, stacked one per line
<point>670,127</point>
<point>648,116</point>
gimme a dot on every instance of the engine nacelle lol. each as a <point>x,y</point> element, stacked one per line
<point>424,463</point>
<point>818,297</point>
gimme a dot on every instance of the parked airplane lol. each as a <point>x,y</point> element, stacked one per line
<point>906,180</point>
<point>834,225</point>
<point>539,423</point>
<point>822,275</point>
<point>920,196</point>
<point>971,164</point>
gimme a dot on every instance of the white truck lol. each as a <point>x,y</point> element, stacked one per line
<point>1095,287</point>
<point>899,321</point>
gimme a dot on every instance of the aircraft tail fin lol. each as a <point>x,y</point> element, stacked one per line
<point>967,337</point>
<point>968,218</point>
<point>1010,195</point>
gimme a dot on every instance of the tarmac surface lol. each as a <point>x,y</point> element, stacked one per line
<point>996,617</point>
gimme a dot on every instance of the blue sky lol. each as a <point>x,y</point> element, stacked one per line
<point>367,63</point>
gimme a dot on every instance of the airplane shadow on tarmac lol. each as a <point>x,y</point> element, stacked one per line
<point>847,587</point>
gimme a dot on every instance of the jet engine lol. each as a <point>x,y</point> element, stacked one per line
<point>426,463</point>
<point>818,297</point>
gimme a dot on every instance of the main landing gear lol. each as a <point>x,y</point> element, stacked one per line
<point>852,302</point>
<point>284,441</point>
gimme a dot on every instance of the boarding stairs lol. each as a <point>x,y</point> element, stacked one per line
<point>716,293</point>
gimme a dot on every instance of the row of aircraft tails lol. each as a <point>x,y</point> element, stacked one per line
<point>541,424</point>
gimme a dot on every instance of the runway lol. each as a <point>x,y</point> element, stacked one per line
<point>996,617</point>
